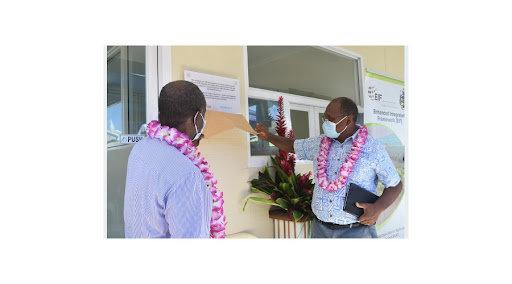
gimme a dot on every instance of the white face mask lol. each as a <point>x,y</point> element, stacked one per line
<point>200,132</point>
<point>330,128</point>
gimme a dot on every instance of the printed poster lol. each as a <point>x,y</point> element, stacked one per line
<point>384,115</point>
<point>221,93</point>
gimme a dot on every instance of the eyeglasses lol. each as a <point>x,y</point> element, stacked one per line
<point>328,118</point>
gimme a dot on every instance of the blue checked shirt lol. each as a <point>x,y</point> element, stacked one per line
<point>374,164</point>
<point>165,195</point>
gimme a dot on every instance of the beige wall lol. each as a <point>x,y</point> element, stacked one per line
<point>385,59</point>
<point>227,153</point>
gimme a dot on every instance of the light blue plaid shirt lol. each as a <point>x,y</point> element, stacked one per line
<point>374,164</point>
<point>165,195</point>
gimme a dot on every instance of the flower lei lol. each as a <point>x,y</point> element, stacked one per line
<point>346,168</point>
<point>181,141</point>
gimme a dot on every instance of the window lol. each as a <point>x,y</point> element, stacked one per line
<point>308,78</point>
<point>317,72</point>
<point>126,91</point>
<point>300,119</point>
<point>264,111</point>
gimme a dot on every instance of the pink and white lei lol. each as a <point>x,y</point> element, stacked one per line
<point>181,141</point>
<point>346,168</point>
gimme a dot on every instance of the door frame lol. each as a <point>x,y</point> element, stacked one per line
<point>158,74</point>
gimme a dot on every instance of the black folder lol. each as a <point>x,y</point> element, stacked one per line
<point>354,194</point>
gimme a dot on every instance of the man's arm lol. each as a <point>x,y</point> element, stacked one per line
<point>283,143</point>
<point>372,211</point>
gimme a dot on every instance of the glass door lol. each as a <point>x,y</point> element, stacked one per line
<point>132,83</point>
<point>126,91</point>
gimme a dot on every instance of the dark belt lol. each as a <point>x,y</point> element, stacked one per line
<point>333,226</point>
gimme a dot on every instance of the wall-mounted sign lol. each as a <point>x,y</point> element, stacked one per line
<point>130,138</point>
<point>221,93</point>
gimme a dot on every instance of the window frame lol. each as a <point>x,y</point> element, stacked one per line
<point>123,53</point>
<point>158,74</point>
<point>314,129</point>
<point>297,102</point>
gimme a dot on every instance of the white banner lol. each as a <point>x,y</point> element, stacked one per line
<point>384,115</point>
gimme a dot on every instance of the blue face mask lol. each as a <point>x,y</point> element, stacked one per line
<point>330,128</point>
<point>200,132</point>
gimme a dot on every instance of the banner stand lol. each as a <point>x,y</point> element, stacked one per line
<point>384,115</point>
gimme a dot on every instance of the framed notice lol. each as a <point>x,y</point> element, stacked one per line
<point>221,93</point>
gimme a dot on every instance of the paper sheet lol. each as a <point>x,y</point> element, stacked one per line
<point>218,122</point>
<point>221,93</point>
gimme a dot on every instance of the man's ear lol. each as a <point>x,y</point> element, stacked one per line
<point>189,123</point>
<point>349,119</point>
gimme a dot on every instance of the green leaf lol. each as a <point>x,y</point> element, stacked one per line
<point>265,190</point>
<point>287,188</point>
<point>282,203</point>
<point>274,161</point>
<point>297,215</point>
<point>264,184</point>
<point>282,174</point>
<point>262,200</point>
<point>258,189</point>
<point>293,181</point>
<point>255,190</point>
<point>266,172</point>
<point>295,200</point>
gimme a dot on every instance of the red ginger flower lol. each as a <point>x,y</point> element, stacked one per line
<point>281,122</point>
<point>286,166</point>
<point>289,160</point>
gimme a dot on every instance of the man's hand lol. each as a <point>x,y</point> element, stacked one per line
<point>283,143</point>
<point>371,213</point>
<point>262,131</point>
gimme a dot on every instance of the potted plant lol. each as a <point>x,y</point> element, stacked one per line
<point>290,192</point>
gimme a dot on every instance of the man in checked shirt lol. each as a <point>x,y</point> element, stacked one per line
<point>374,164</point>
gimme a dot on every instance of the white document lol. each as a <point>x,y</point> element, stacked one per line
<point>221,93</point>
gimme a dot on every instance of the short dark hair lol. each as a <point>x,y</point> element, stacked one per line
<point>348,107</point>
<point>178,101</point>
